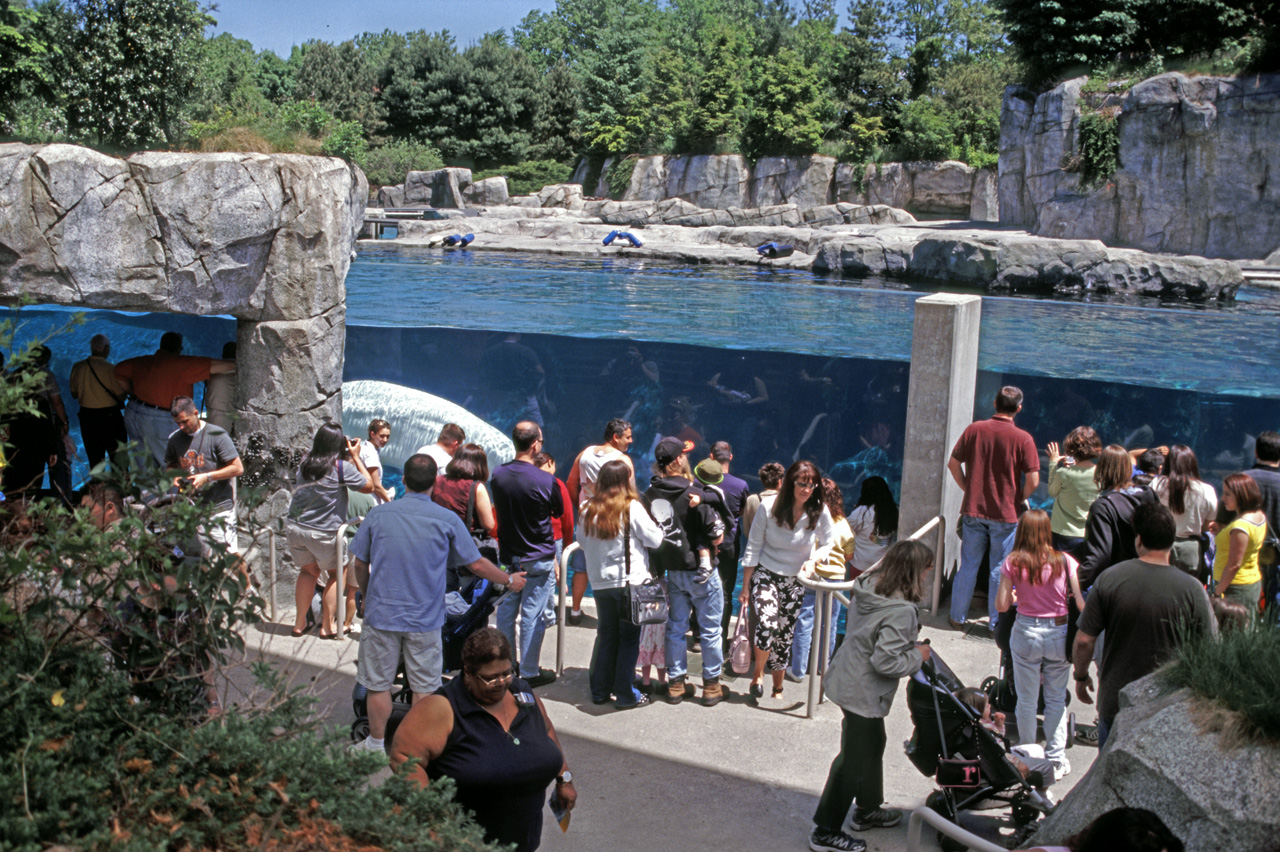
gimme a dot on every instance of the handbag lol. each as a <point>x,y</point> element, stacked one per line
<point>740,647</point>
<point>645,603</point>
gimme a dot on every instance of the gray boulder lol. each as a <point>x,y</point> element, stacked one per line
<point>390,196</point>
<point>888,184</point>
<point>984,203</point>
<point>849,184</point>
<point>1195,158</point>
<point>711,181</point>
<point>945,188</point>
<point>1273,259</point>
<point>438,187</point>
<point>490,192</point>
<point>802,181</point>
<point>565,195</point>
<point>648,180</point>
<point>777,215</point>
<point>1211,796</point>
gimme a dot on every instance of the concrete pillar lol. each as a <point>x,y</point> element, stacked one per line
<point>944,365</point>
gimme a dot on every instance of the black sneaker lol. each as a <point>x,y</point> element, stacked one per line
<point>835,841</point>
<point>879,818</point>
<point>542,678</point>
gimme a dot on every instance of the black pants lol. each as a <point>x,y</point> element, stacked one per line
<point>857,773</point>
<point>728,568</point>
<point>102,431</point>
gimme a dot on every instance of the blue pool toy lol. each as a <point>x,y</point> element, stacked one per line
<point>460,240</point>
<point>635,241</point>
<point>775,250</point>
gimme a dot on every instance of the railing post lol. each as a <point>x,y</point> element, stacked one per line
<point>340,544</point>
<point>938,549</point>
<point>562,588</point>
<point>271,570</point>
<point>820,598</point>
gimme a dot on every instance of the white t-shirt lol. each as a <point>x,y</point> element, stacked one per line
<point>1200,502</point>
<point>784,551</point>
<point>606,561</point>
<point>868,547</point>
<point>372,461</point>
<point>440,454</point>
<point>589,464</point>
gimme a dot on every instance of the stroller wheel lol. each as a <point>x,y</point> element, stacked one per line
<point>1024,815</point>
<point>359,730</point>
<point>1071,730</point>
<point>938,803</point>
<point>950,844</point>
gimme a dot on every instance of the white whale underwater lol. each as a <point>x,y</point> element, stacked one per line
<point>416,418</point>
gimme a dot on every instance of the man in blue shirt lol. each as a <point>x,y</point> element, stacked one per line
<point>409,544</point>
<point>526,498</point>
<point>735,492</point>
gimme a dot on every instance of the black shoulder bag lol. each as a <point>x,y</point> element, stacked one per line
<point>647,602</point>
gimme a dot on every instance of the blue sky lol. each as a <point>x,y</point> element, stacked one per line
<point>280,24</point>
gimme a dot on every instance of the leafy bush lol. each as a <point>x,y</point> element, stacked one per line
<point>530,176</point>
<point>1240,670</point>
<point>925,131</point>
<point>388,164</point>
<point>346,140</point>
<point>1099,146</point>
<point>619,176</point>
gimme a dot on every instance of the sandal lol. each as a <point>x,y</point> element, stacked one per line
<point>777,692</point>
<point>298,634</point>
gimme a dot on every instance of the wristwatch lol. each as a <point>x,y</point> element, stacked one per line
<point>1081,678</point>
<point>563,778</point>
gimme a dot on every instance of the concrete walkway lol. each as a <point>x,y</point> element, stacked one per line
<point>673,778</point>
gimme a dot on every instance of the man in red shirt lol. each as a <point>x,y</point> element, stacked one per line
<point>153,382</point>
<point>989,463</point>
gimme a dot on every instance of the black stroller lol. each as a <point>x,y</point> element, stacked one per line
<point>971,764</point>
<point>1000,690</point>
<point>457,628</point>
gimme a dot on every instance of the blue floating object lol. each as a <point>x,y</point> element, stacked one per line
<point>775,250</point>
<point>613,235</point>
<point>635,241</point>
<point>461,240</point>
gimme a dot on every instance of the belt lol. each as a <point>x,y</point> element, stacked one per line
<point>1058,620</point>
<point>1187,538</point>
<point>149,405</point>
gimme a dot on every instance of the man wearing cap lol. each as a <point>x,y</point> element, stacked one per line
<point>154,382</point>
<point>687,523</point>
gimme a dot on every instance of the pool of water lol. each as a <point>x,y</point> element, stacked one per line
<point>822,361</point>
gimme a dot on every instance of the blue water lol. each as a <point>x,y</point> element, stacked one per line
<point>831,355</point>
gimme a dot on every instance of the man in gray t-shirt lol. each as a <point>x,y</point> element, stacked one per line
<point>208,461</point>
<point>1146,606</point>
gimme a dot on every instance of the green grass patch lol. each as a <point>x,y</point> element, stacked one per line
<point>1239,672</point>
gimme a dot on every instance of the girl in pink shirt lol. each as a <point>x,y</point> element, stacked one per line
<point>1035,577</point>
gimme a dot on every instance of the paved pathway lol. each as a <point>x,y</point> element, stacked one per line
<point>686,777</point>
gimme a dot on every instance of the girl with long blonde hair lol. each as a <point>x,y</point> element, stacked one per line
<point>1038,578</point>
<point>616,533</point>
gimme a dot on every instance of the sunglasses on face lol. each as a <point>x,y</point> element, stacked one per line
<point>495,679</point>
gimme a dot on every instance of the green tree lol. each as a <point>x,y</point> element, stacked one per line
<point>274,77</point>
<point>340,78</point>
<point>23,55</point>
<point>1051,37</point>
<point>228,78</point>
<point>133,66</point>
<point>719,96</point>
<point>789,107</point>
<point>555,134</point>
<point>615,70</point>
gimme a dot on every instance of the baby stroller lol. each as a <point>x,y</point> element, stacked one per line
<point>457,627</point>
<point>971,764</point>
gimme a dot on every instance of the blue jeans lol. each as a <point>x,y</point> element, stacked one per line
<point>531,605</point>
<point>975,536</point>
<point>149,427</point>
<point>613,659</point>
<point>707,600</point>
<point>1104,730</point>
<point>552,598</point>
<point>1040,651</point>
<point>802,642</point>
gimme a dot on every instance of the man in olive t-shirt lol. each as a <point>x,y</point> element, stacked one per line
<point>1146,606</point>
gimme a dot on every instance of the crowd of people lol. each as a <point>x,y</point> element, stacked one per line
<point>1135,553</point>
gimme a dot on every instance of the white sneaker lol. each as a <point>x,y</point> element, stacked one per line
<point>367,744</point>
<point>1062,769</point>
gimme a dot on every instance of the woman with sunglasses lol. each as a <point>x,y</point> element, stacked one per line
<point>791,534</point>
<point>488,732</point>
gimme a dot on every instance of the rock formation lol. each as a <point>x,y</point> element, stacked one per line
<point>266,239</point>
<point>1198,165</point>
<point>1211,797</point>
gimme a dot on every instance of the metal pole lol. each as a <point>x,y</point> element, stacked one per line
<point>821,596</point>
<point>562,588</point>
<point>937,563</point>
<point>271,570</point>
<point>342,589</point>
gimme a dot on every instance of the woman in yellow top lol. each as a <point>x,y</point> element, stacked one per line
<point>1236,575</point>
<point>831,568</point>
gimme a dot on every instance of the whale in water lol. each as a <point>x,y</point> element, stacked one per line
<point>416,418</point>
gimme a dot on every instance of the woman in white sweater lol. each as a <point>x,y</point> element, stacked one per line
<point>792,532</point>
<point>615,532</point>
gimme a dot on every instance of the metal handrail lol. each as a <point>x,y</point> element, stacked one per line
<point>923,815</point>
<point>562,589</point>
<point>825,590</point>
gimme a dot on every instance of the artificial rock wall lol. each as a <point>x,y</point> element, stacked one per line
<point>266,239</point>
<point>1199,166</point>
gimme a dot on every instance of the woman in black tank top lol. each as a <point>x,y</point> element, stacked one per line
<point>488,732</point>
